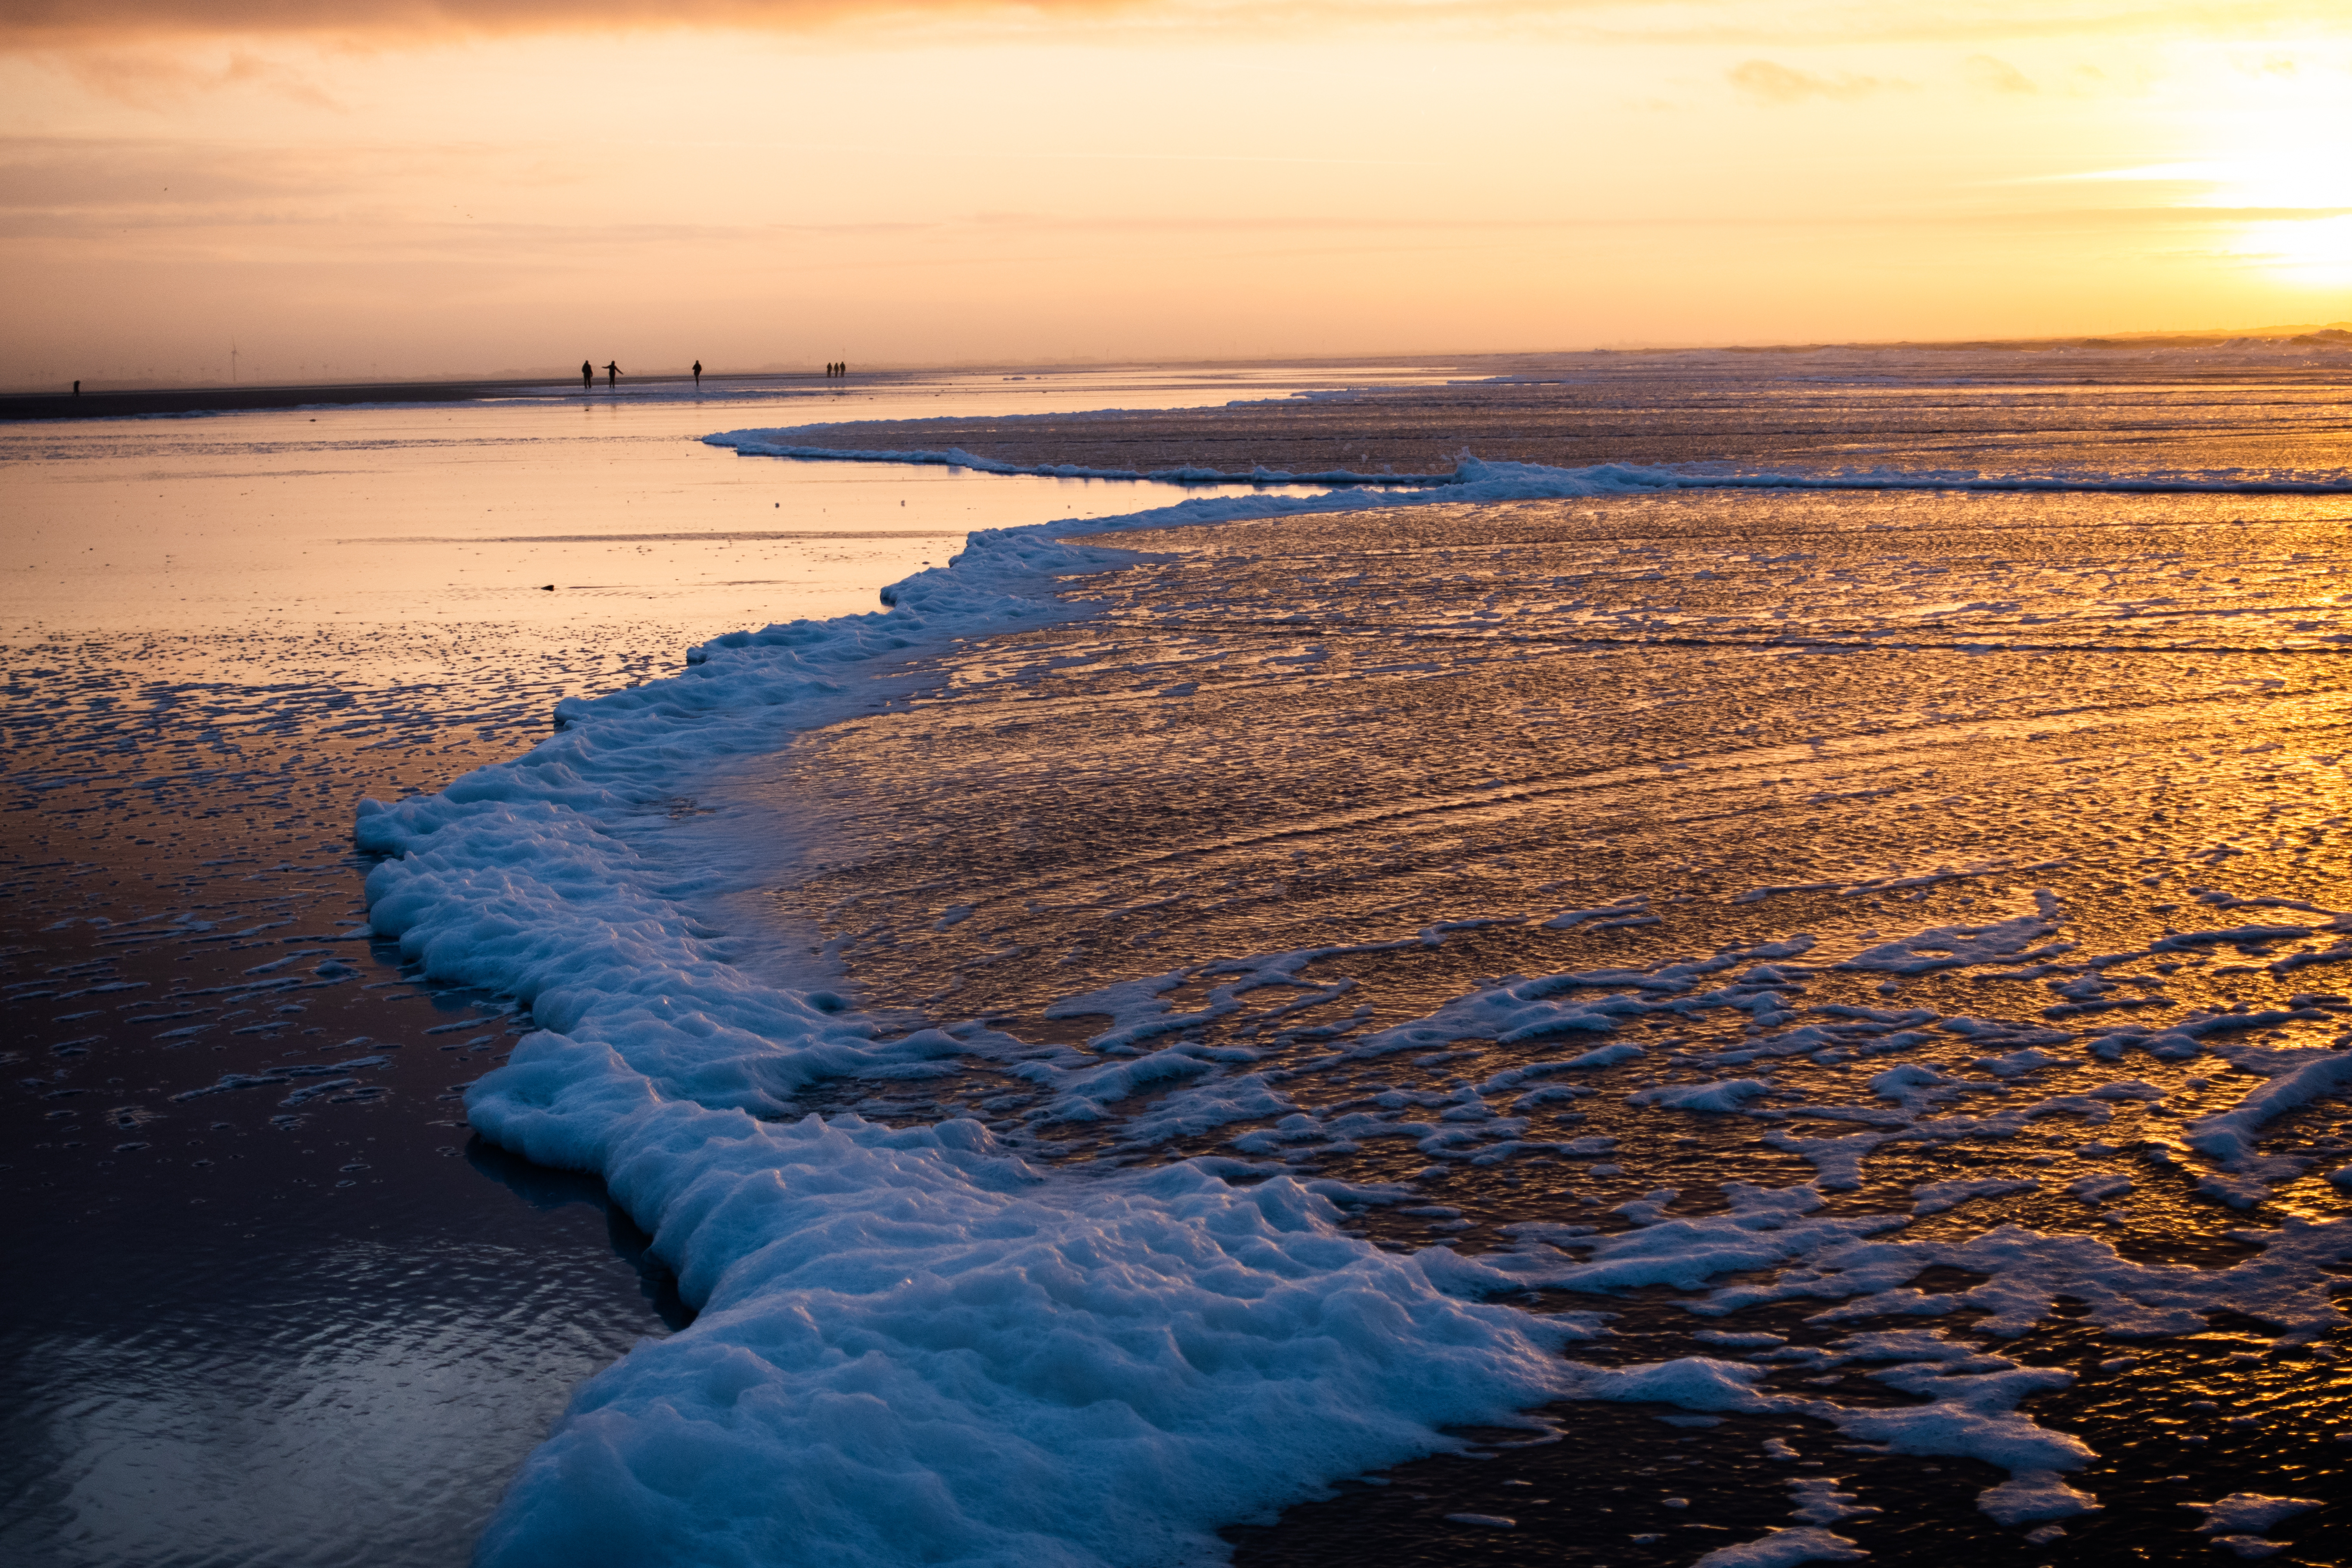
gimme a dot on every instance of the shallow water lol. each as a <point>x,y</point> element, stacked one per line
<point>1290,812</point>
<point>1808,729</point>
<point>2038,797</point>
<point>1914,410</point>
<point>277,1304</point>
<point>463,514</point>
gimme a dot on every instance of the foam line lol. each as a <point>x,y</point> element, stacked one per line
<point>915,1347</point>
<point>1537,480</point>
<point>911,1345</point>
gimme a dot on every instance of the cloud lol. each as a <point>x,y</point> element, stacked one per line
<point>28,25</point>
<point>1997,76</point>
<point>167,180</point>
<point>1780,84</point>
<point>150,79</point>
<point>32,25</point>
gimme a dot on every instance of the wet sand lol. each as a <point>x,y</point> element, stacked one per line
<point>1413,737</point>
<point>275,1300</point>
<point>135,403</point>
<point>1292,732</point>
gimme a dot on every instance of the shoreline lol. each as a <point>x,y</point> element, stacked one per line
<point>1032,874</point>
<point>133,402</point>
<point>1518,708</point>
<point>198,400</point>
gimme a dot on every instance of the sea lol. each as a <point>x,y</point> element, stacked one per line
<point>1616,959</point>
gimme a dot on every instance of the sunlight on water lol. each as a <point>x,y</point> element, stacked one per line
<point>1806,1000</point>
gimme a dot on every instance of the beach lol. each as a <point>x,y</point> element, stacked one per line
<point>271,1248</point>
<point>1741,965</point>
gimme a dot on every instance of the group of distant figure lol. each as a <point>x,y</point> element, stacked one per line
<point>834,370</point>
<point>613,374</point>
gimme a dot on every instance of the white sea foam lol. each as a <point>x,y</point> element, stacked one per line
<point>913,1348</point>
<point>1784,1549</point>
<point>2250,1513</point>
<point>912,1345</point>
<point>915,1345</point>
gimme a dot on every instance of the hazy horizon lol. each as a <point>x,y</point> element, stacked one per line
<point>657,371</point>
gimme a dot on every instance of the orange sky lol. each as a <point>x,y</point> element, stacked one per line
<point>410,189</point>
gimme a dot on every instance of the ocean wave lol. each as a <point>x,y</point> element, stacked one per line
<point>1477,478</point>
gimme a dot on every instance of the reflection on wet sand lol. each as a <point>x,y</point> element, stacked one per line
<point>1961,873</point>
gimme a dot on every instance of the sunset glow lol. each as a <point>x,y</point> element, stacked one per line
<point>1159,783</point>
<point>391,191</point>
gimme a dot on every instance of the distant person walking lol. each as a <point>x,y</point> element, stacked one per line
<point>697,375</point>
<point>612,374</point>
<point>587,375</point>
<point>77,389</point>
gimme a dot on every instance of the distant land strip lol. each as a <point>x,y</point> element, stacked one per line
<point>148,401</point>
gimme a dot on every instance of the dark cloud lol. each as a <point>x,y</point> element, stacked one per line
<point>54,24</point>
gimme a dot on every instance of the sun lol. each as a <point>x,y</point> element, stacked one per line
<point>2279,159</point>
<point>2315,252</point>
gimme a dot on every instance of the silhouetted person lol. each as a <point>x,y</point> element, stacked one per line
<point>697,375</point>
<point>612,374</point>
<point>77,389</point>
<point>587,375</point>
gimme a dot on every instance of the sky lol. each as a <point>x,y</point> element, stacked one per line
<point>394,188</point>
